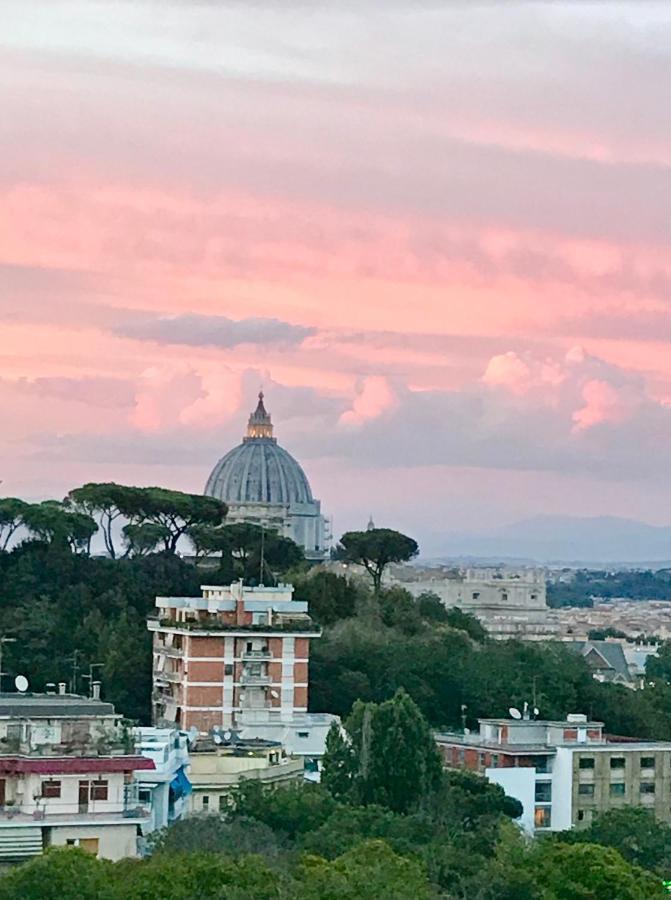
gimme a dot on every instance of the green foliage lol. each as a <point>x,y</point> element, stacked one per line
<point>331,597</point>
<point>431,608</point>
<point>54,522</point>
<point>462,621</point>
<point>586,584</point>
<point>392,759</point>
<point>600,634</point>
<point>11,518</point>
<point>70,874</point>
<point>101,501</point>
<point>634,832</point>
<point>375,549</point>
<point>247,551</point>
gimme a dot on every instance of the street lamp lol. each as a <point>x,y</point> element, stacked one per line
<point>4,640</point>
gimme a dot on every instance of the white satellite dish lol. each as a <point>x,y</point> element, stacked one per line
<point>227,735</point>
<point>536,711</point>
<point>218,739</point>
<point>21,683</point>
<point>515,713</point>
<point>274,694</point>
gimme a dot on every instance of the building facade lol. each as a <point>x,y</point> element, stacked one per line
<point>509,603</point>
<point>235,656</point>
<point>163,790</point>
<point>67,777</point>
<point>263,484</point>
<point>222,761</point>
<point>563,773</point>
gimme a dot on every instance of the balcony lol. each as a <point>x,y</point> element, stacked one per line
<point>168,677</point>
<point>257,654</point>
<point>173,652</point>
<point>247,678</point>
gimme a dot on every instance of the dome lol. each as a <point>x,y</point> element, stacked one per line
<point>259,470</point>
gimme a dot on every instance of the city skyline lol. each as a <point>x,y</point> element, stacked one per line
<point>434,234</point>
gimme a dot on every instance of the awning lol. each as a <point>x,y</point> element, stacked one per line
<point>72,765</point>
<point>180,786</point>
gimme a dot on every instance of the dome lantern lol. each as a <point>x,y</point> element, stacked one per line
<point>260,425</point>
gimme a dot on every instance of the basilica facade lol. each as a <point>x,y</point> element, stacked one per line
<point>263,484</point>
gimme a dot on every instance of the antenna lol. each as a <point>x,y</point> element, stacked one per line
<point>515,713</point>
<point>263,554</point>
<point>21,684</point>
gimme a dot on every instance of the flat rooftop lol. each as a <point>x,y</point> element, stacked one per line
<point>48,706</point>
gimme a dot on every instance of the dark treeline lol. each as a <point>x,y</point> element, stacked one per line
<point>587,584</point>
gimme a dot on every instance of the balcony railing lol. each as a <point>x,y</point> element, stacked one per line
<point>302,626</point>
<point>257,654</point>
<point>248,678</point>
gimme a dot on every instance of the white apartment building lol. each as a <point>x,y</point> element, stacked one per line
<point>67,777</point>
<point>564,772</point>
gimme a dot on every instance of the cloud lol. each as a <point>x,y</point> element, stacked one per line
<point>374,397</point>
<point>215,331</point>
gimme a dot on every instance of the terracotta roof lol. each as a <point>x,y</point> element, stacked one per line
<point>71,765</point>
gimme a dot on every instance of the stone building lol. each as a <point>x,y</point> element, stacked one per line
<point>509,603</point>
<point>263,484</point>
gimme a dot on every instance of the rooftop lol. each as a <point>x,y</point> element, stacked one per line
<point>50,706</point>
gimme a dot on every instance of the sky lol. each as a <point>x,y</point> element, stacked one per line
<point>436,234</point>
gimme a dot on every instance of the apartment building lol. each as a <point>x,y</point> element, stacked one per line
<point>67,777</point>
<point>236,655</point>
<point>566,771</point>
<point>219,763</point>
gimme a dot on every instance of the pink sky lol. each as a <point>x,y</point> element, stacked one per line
<point>437,234</point>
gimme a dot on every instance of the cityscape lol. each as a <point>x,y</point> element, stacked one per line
<point>335,546</point>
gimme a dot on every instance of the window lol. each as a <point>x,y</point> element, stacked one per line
<point>617,789</point>
<point>223,805</point>
<point>206,802</point>
<point>98,790</point>
<point>51,789</point>
<point>504,597</point>
<point>647,787</point>
<point>543,792</point>
<point>586,762</point>
<point>228,669</point>
<point>476,595</point>
<point>144,795</point>
<point>542,817</point>
<point>586,790</point>
<point>542,764</point>
<point>647,762</point>
<point>617,762</point>
<point>303,734</point>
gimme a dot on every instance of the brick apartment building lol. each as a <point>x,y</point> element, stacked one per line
<point>237,656</point>
<point>564,772</point>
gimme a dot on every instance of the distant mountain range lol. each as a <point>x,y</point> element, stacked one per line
<point>572,540</point>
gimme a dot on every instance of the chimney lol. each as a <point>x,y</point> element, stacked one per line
<point>61,687</point>
<point>51,688</point>
<point>95,690</point>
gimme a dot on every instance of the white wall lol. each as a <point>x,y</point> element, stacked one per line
<point>116,841</point>
<point>520,783</point>
<point>562,788</point>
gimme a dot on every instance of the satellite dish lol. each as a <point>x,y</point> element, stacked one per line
<point>218,739</point>
<point>21,683</point>
<point>227,735</point>
<point>536,711</point>
<point>274,694</point>
<point>515,713</point>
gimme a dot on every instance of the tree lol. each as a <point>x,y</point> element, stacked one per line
<point>634,832</point>
<point>11,519</point>
<point>248,551</point>
<point>376,549</point>
<point>173,510</point>
<point>331,597</point>
<point>51,521</point>
<point>394,761</point>
<point>145,538</point>
<point>60,874</point>
<point>339,763</point>
<point>462,621</point>
<point>431,608</point>
<point>369,871</point>
<point>103,502</point>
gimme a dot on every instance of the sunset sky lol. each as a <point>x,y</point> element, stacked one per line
<point>438,234</point>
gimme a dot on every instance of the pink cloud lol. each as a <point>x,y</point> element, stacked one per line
<point>374,397</point>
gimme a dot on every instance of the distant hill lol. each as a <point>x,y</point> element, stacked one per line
<point>574,540</point>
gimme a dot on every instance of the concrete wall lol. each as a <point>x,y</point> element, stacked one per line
<point>520,784</point>
<point>115,841</point>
